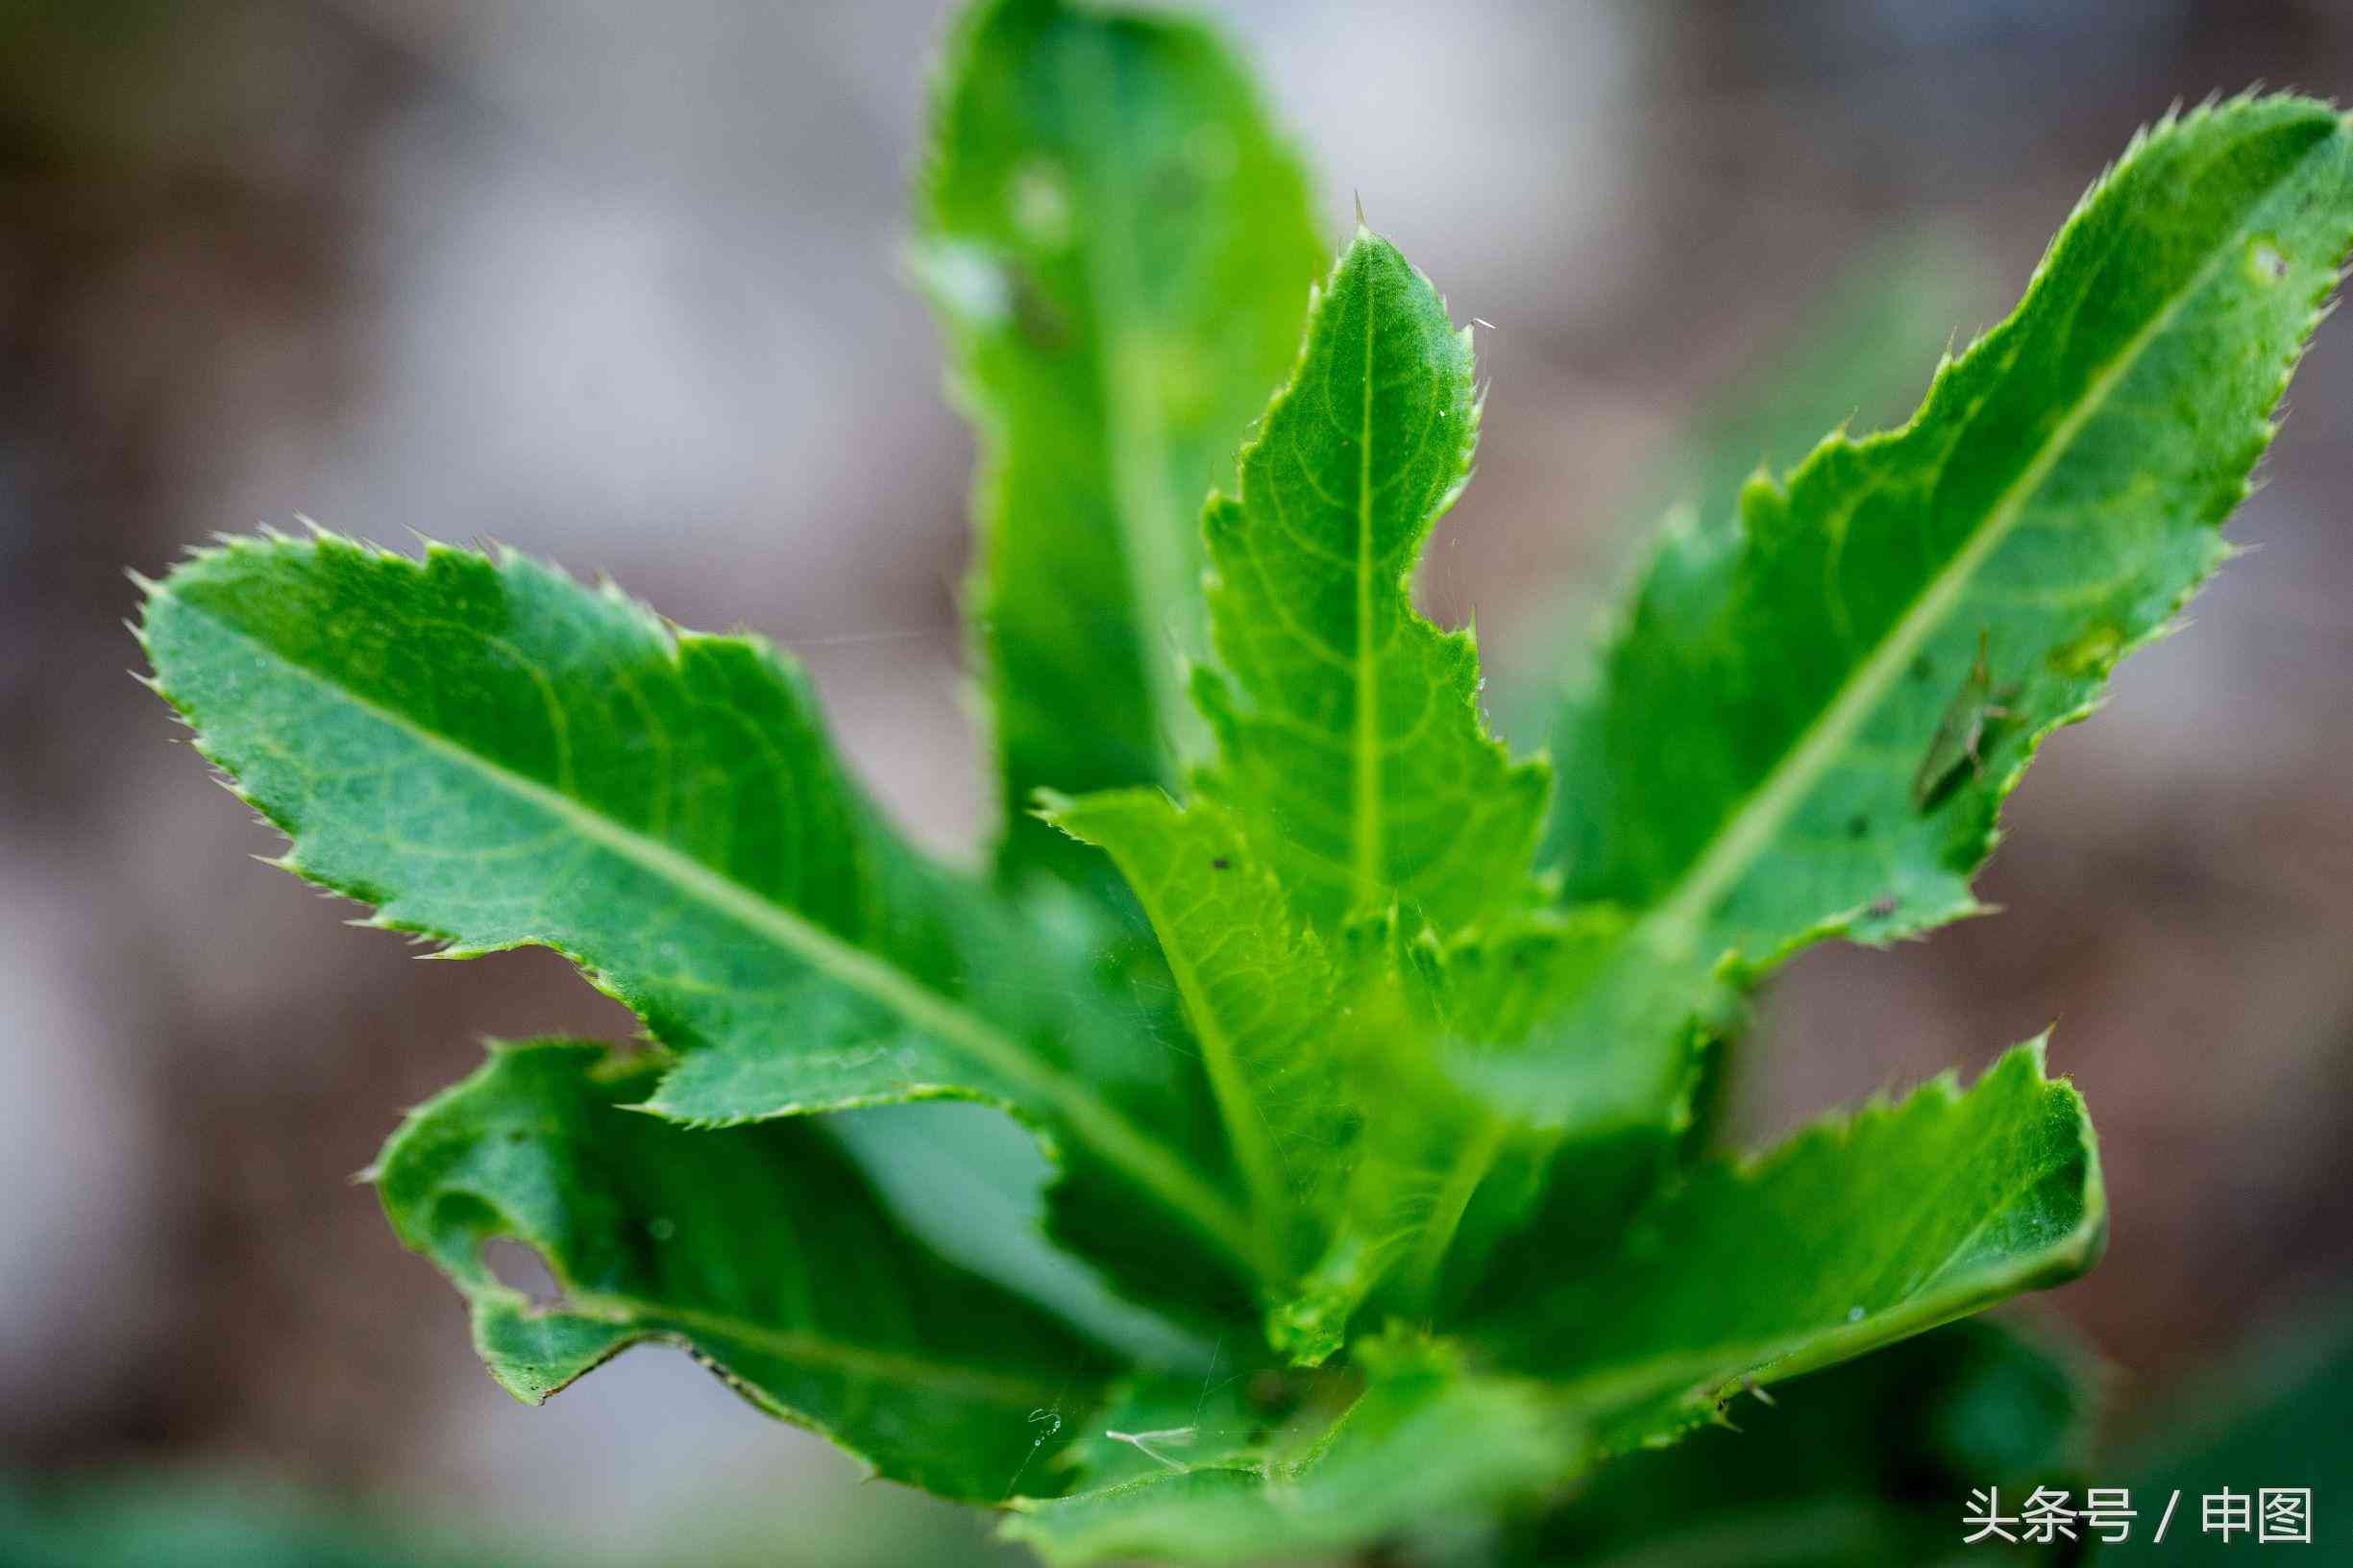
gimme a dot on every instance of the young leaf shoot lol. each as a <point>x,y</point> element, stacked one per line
<point>1355,1183</point>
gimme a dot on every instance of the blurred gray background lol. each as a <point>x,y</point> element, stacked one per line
<point>617,283</point>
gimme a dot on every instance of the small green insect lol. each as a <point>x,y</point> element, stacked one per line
<point>1960,734</point>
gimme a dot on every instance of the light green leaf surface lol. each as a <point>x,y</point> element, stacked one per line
<point>1356,807</point>
<point>974,1186</point>
<point>1741,778</point>
<point>1350,740</point>
<point>1360,1153</point>
<point>1267,1004</point>
<point>1423,1150</point>
<point>1857,1232</point>
<point>1423,1443</point>
<point>1119,247</point>
<point>495,756</point>
<point>759,1248</point>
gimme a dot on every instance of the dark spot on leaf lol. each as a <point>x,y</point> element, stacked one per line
<point>1883,906</point>
<point>1924,667</point>
<point>1857,827</point>
<point>1218,864</point>
<point>1040,319</point>
<point>1173,187</point>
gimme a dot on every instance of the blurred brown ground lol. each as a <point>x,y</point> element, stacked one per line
<point>614,283</point>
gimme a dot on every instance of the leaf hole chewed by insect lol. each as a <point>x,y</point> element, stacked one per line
<point>521,1266</point>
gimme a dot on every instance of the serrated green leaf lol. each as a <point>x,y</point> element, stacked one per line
<point>1355,794</point>
<point>1789,737</point>
<point>1423,1443</point>
<point>1805,728</point>
<point>1350,740</point>
<point>1858,1232</point>
<point>1312,1050</point>
<point>496,756</point>
<point>759,1248</point>
<point>1423,1151</point>
<point>1265,999</point>
<point>1860,1466</point>
<point>1851,350</point>
<point>1121,247</point>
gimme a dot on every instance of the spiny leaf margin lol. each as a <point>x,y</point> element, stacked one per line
<point>1756,1268</point>
<point>1378,785</point>
<point>759,1249</point>
<point>496,756</point>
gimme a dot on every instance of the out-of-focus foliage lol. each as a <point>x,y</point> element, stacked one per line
<point>138,1521</point>
<point>2275,1417</point>
<point>1118,245</point>
<point>146,1519</point>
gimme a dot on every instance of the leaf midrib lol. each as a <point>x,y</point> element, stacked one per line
<point>1368,826</point>
<point>1943,1288</point>
<point>1243,1115</point>
<point>806,1349</point>
<point>1946,1298</point>
<point>1677,923</point>
<point>1144,505</point>
<point>1105,1129</point>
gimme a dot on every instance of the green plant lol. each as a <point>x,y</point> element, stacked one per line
<point>1386,1103</point>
